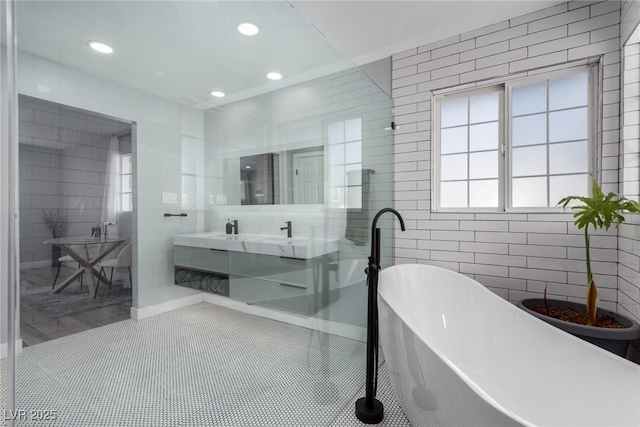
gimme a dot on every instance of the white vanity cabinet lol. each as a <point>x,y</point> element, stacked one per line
<point>261,269</point>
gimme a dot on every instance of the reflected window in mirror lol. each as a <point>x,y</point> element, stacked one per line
<point>345,163</point>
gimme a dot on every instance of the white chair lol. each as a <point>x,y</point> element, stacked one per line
<point>122,260</point>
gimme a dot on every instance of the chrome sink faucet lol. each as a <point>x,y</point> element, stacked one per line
<point>288,228</point>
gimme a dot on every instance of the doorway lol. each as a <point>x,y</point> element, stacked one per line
<point>308,177</point>
<point>67,177</point>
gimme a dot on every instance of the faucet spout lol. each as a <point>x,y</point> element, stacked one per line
<point>374,235</point>
<point>288,228</point>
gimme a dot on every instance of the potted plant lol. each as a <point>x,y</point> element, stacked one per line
<point>608,330</point>
<point>56,222</point>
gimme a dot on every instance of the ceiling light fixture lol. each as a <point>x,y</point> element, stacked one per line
<point>217,94</point>
<point>274,76</point>
<point>248,29</point>
<point>100,47</point>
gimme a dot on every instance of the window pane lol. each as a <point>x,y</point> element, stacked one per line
<point>335,132</point>
<point>126,184</point>
<point>483,137</point>
<point>567,185</point>
<point>453,112</point>
<point>336,154</point>
<point>568,157</point>
<point>353,152</point>
<point>354,175</point>
<point>568,92</point>
<point>453,167</point>
<point>483,165</point>
<point>126,202</point>
<point>453,194</point>
<point>353,129</point>
<point>568,125</point>
<point>337,176</point>
<point>529,99</point>
<point>529,192</point>
<point>189,156</point>
<point>484,108</point>
<point>453,140</point>
<point>354,197</point>
<point>337,197</point>
<point>189,198</point>
<point>483,194</point>
<point>529,161</point>
<point>126,164</point>
<point>529,130</point>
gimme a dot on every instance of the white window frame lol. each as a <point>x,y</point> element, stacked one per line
<point>436,148</point>
<point>505,172</point>
<point>122,174</point>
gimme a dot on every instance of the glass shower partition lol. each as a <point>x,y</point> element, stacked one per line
<point>265,325</point>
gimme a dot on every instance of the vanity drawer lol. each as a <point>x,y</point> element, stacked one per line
<point>260,291</point>
<point>270,268</point>
<point>201,258</point>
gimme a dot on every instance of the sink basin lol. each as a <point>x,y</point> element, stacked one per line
<point>294,247</point>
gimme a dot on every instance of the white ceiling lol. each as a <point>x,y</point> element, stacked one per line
<point>366,31</point>
<point>182,50</point>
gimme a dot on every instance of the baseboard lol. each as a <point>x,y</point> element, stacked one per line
<point>4,349</point>
<point>165,307</point>
<point>327,326</point>
<point>35,264</point>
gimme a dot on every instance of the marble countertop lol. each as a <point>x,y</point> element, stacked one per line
<point>294,247</point>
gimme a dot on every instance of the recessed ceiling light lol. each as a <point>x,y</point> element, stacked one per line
<point>274,76</point>
<point>248,29</point>
<point>217,94</point>
<point>100,47</point>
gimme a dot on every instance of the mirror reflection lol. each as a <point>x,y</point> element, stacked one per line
<point>289,177</point>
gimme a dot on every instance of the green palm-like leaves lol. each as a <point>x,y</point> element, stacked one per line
<point>600,211</point>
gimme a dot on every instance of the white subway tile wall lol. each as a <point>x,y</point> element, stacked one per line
<point>515,255</point>
<point>628,280</point>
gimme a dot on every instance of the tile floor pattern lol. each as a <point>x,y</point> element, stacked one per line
<point>202,365</point>
<point>393,415</point>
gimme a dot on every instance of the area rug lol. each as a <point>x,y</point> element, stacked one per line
<point>73,300</point>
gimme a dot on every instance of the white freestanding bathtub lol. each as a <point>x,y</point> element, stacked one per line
<point>460,355</point>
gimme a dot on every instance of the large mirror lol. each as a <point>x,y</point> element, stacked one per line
<point>290,177</point>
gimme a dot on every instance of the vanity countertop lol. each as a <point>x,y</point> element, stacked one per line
<point>294,247</point>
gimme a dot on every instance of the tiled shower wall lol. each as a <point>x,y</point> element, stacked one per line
<point>629,234</point>
<point>515,255</point>
<point>63,155</point>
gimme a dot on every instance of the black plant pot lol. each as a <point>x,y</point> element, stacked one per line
<point>614,340</point>
<point>56,253</point>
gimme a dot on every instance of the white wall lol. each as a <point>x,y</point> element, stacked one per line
<point>514,254</point>
<point>160,124</point>
<point>629,233</point>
